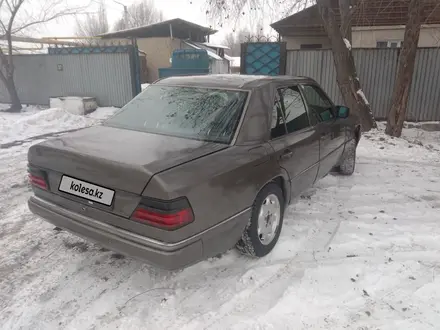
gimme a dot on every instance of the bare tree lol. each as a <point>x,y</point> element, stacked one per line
<point>17,17</point>
<point>405,72</point>
<point>231,41</point>
<point>346,74</point>
<point>93,24</point>
<point>234,40</point>
<point>339,36</point>
<point>139,14</point>
<point>120,25</point>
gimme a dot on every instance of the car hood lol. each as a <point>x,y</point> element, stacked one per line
<point>117,158</point>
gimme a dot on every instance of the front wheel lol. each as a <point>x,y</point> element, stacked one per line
<point>348,163</point>
<point>264,228</point>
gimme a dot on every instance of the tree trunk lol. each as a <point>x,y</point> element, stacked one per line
<point>7,79</point>
<point>7,64</point>
<point>407,60</point>
<point>346,75</point>
<point>9,83</point>
<point>346,16</point>
<point>15,100</point>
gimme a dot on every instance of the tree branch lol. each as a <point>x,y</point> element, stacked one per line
<point>14,11</point>
<point>1,22</point>
<point>3,26</point>
<point>9,6</point>
<point>44,19</point>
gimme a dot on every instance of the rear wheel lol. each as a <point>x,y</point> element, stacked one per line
<point>348,163</point>
<point>264,228</point>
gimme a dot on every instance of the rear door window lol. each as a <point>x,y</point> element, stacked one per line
<point>294,109</point>
<point>278,127</point>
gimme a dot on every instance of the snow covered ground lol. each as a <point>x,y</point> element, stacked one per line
<point>32,121</point>
<point>358,252</point>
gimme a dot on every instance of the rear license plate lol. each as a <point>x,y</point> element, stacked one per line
<point>86,190</point>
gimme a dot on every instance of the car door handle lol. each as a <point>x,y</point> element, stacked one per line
<point>286,154</point>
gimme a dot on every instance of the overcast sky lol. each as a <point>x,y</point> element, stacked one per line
<point>170,8</point>
<point>191,10</point>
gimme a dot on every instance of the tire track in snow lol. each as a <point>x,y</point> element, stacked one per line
<point>381,161</point>
<point>281,279</point>
<point>261,298</point>
<point>256,300</point>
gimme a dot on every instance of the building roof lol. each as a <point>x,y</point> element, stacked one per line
<point>368,13</point>
<point>211,45</point>
<point>229,81</point>
<point>210,51</point>
<point>181,29</point>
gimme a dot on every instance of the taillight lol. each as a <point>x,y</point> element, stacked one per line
<point>169,215</point>
<point>38,181</point>
<point>38,178</point>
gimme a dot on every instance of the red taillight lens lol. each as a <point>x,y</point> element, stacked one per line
<point>167,215</point>
<point>163,220</point>
<point>38,181</point>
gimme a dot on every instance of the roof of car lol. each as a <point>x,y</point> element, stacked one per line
<point>232,81</point>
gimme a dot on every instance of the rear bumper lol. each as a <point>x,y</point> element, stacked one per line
<point>169,256</point>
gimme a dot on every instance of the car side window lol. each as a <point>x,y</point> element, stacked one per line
<point>278,127</point>
<point>294,109</point>
<point>318,102</point>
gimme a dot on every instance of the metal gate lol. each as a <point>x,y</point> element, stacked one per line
<point>265,58</point>
<point>131,50</point>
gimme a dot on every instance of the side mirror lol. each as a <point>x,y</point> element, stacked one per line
<point>326,115</point>
<point>342,111</point>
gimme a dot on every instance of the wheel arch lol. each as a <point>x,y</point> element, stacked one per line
<point>357,133</point>
<point>280,181</point>
<point>283,181</point>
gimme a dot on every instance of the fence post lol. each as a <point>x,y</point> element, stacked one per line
<point>243,52</point>
<point>283,57</point>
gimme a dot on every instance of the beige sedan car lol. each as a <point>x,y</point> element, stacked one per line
<point>194,166</point>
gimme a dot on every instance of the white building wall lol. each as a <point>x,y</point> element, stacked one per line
<point>219,67</point>
<point>367,37</point>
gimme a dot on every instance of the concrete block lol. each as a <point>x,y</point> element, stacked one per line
<point>74,105</point>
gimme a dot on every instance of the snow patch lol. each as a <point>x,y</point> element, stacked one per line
<point>361,94</point>
<point>347,43</point>
<point>357,252</point>
<point>35,121</point>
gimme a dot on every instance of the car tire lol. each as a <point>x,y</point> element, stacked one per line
<point>348,162</point>
<point>262,232</point>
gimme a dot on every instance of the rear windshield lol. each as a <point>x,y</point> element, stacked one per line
<point>194,113</point>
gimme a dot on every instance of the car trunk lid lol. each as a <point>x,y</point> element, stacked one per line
<point>118,160</point>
